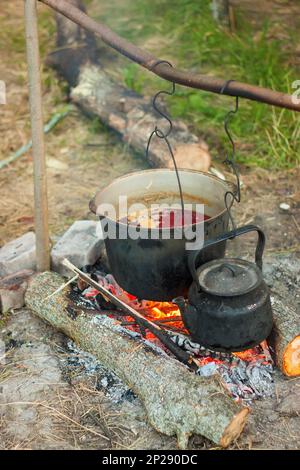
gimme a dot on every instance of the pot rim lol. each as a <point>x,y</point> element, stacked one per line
<point>230,185</point>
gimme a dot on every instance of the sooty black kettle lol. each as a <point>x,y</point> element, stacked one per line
<point>228,306</point>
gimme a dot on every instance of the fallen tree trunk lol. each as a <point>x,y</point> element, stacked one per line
<point>177,401</point>
<point>126,112</point>
<point>285,337</point>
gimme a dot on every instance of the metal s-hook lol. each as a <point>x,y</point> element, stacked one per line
<point>164,135</point>
<point>230,160</point>
<point>158,132</point>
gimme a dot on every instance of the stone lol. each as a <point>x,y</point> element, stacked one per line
<point>284,207</point>
<point>12,290</point>
<point>18,254</point>
<point>80,244</point>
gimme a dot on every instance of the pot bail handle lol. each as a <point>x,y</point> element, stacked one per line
<point>192,256</point>
<point>165,135</point>
<point>230,159</point>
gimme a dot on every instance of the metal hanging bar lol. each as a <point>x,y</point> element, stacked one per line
<point>38,145</point>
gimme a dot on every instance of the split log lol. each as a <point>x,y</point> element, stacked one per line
<point>177,401</point>
<point>126,112</point>
<point>220,11</point>
<point>285,337</point>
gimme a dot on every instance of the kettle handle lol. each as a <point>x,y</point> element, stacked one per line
<point>193,255</point>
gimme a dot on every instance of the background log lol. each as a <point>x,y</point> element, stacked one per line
<point>125,111</point>
<point>220,11</point>
<point>177,401</point>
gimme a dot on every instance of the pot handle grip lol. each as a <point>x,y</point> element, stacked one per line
<point>193,255</point>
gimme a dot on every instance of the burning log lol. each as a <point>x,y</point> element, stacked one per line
<point>285,337</point>
<point>123,110</point>
<point>177,401</point>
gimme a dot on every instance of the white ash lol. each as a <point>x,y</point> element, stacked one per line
<point>244,379</point>
<point>113,324</point>
<point>105,380</point>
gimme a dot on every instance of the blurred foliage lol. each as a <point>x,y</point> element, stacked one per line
<point>185,32</point>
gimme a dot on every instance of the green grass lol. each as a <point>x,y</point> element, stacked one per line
<point>266,136</point>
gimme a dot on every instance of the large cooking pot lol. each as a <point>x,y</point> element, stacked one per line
<point>156,268</point>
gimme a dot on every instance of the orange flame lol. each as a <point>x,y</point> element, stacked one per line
<point>159,310</point>
<point>169,314</point>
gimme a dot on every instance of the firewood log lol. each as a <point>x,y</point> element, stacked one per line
<point>177,401</point>
<point>125,111</point>
<point>285,337</point>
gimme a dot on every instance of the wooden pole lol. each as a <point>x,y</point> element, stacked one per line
<point>38,145</point>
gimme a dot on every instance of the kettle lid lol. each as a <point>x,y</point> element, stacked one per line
<point>229,277</point>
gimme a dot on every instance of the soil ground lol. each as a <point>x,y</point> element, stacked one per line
<point>48,409</point>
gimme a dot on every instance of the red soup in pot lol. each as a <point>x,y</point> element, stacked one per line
<point>164,218</point>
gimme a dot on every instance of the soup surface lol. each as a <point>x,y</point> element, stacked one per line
<point>164,218</point>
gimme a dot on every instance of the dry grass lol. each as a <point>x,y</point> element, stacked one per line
<point>14,125</point>
<point>75,170</point>
<point>80,418</point>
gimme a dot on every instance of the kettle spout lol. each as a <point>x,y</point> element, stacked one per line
<point>180,301</point>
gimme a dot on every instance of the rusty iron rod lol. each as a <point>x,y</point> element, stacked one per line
<point>147,60</point>
<point>38,144</point>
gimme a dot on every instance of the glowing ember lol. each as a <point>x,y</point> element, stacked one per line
<point>167,313</point>
<point>159,310</point>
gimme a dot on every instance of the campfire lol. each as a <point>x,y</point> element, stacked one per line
<point>246,374</point>
<point>185,327</point>
<point>211,400</point>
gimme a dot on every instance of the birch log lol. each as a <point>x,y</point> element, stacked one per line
<point>177,401</point>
